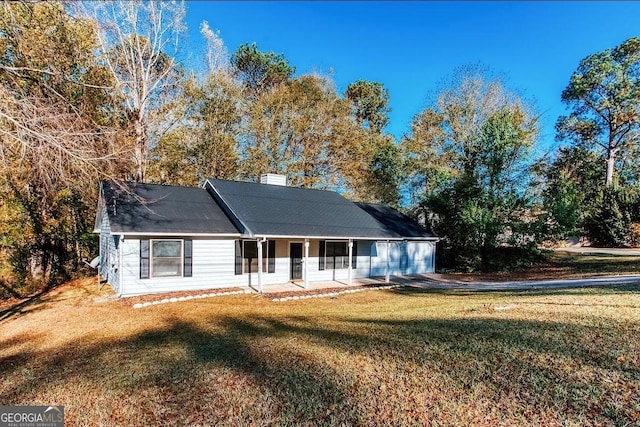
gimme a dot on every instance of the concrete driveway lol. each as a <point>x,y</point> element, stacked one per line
<point>434,281</point>
<point>437,281</point>
<point>601,251</point>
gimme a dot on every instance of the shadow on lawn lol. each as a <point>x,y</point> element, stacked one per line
<point>29,304</point>
<point>267,370</point>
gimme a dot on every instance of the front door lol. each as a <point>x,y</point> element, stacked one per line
<point>295,253</point>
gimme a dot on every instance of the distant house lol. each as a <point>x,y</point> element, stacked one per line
<point>158,238</point>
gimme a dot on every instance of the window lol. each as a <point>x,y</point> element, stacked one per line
<point>247,256</point>
<point>335,255</point>
<point>250,257</point>
<point>166,258</point>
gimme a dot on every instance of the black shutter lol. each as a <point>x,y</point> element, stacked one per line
<point>188,258</point>
<point>354,255</point>
<point>238,256</point>
<point>144,259</point>
<point>321,255</point>
<point>271,253</point>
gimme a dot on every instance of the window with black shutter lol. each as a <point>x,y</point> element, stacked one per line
<point>166,258</point>
<point>354,254</point>
<point>188,258</point>
<point>144,259</point>
<point>238,245</point>
<point>247,256</point>
<point>321,255</point>
<point>271,253</point>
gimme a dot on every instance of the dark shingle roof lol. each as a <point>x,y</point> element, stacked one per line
<point>395,223</point>
<point>274,210</point>
<point>150,208</point>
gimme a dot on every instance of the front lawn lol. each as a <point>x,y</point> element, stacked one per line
<point>561,264</point>
<point>394,357</point>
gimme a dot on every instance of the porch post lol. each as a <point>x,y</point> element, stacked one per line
<point>306,263</point>
<point>350,263</point>
<point>259,242</point>
<point>388,272</point>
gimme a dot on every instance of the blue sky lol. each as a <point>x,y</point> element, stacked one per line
<point>410,47</point>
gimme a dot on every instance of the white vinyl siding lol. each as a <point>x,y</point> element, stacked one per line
<point>109,255</point>
<point>405,258</point>
<point>213,265</point>
<point>361,270</point>
<point>212,268</point>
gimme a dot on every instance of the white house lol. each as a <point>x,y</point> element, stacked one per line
<point>158,238</point>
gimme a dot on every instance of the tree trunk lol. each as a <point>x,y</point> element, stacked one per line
<point>611,162</point>
<point>140,150</point>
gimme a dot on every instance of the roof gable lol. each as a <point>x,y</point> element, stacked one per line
<point>136,208</point>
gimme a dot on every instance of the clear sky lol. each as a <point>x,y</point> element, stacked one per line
<point>412,46</point>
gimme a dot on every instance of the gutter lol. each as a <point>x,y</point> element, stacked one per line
<point>385,238</point>
<point>174,234</point>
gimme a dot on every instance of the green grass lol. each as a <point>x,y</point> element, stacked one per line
<point>404,357</point>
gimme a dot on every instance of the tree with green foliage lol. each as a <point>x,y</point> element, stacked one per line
<point>607,224</point>
<point>205,145</point>
<point>381,166</point>
<point>386,171</point>
<point>604,97</point>
<point>260,71</point>
<point>370,104</point>
<point>300,129</point>
<point>475,144</point>
<point>571,184</point>
<point>604,128</point>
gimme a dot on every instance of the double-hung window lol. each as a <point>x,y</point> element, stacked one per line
<point>334,255</point>
<point>250,257</point>
<point>166,258</point>
<point>337,255</point>
<point>247,256</point>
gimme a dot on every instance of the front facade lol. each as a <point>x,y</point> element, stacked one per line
<point>156,238</point>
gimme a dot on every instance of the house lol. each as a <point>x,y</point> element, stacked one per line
<point>159,238</point>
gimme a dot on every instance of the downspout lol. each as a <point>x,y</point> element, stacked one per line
<point>101,259</point>
<point>350,263</point>
<point>306,263</point>
<point>259,243</point>
<point>120,282</point>
<point>433,257</point>
<point>386,276</point>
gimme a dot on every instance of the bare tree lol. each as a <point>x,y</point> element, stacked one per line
<point>57,132</point>
<point>139,42</point>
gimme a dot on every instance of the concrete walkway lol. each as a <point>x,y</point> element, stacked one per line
<point>436,281</point>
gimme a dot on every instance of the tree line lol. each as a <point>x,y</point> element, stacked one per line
<point>96,90</point>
